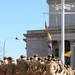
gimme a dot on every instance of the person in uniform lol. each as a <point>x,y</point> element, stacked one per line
<point>50,66</point>
<point>5,60</point>
<point>4,63</point>
<point>38,68</point>
<point>35,64</point>
<point>30,64</point>
<point>60,66</point>
<point>41,68</point>
<point>17,63</point>
<point>10,67</point>
<point>73,70</point>
<point>49,57</point>
<point>1,68</point>
<point>23,66</point>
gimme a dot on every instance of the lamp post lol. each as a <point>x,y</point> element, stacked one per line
<point>5,43</point>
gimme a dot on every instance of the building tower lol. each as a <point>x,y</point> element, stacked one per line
<point>55,20</point>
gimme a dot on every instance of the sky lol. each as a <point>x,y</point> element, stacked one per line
<point>16,18</point>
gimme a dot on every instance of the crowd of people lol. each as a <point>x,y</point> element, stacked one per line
<point>35,65</point>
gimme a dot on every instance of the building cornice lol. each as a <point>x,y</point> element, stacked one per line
<point>52,30</point>
<point>38,35</point>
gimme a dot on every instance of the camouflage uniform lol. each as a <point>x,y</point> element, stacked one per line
<point>10,69</point>
<point>42,67</point>
<point>50,68</point>
<point>34,67</point>
<point>23,66</point>
<point>1,72</point>
<point>3,69</point>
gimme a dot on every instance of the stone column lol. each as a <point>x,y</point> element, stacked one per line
<point>72,55</point>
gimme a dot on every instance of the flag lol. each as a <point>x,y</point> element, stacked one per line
<point>49,36</point>
<point>50,46</point>
<point>46,27</point>
<point>68,54</point>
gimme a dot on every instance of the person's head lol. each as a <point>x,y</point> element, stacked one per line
<point>49,57</point>
<point>1,62</point>
<point>18,60</point>
<point>45,58</point>
<point>36,56</point>
<point>28,59</point>
<point>39,58</point>
<point>10,59</point>
<point>59,60</point>
<point>5,58</point>
<point>54,59</point>
<point>22,57</point>
<point>73,68</point>
<point>31,58</point>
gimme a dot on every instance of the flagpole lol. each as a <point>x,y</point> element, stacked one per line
<point>62,31</point>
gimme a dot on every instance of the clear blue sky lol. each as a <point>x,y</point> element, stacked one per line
<point>16,17</point>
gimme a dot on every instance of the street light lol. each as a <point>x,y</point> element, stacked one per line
<point>5,43</point>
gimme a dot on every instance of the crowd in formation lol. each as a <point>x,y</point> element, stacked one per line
<point>35,65</point>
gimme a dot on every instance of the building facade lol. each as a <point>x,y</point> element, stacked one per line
<point>37,40</point>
